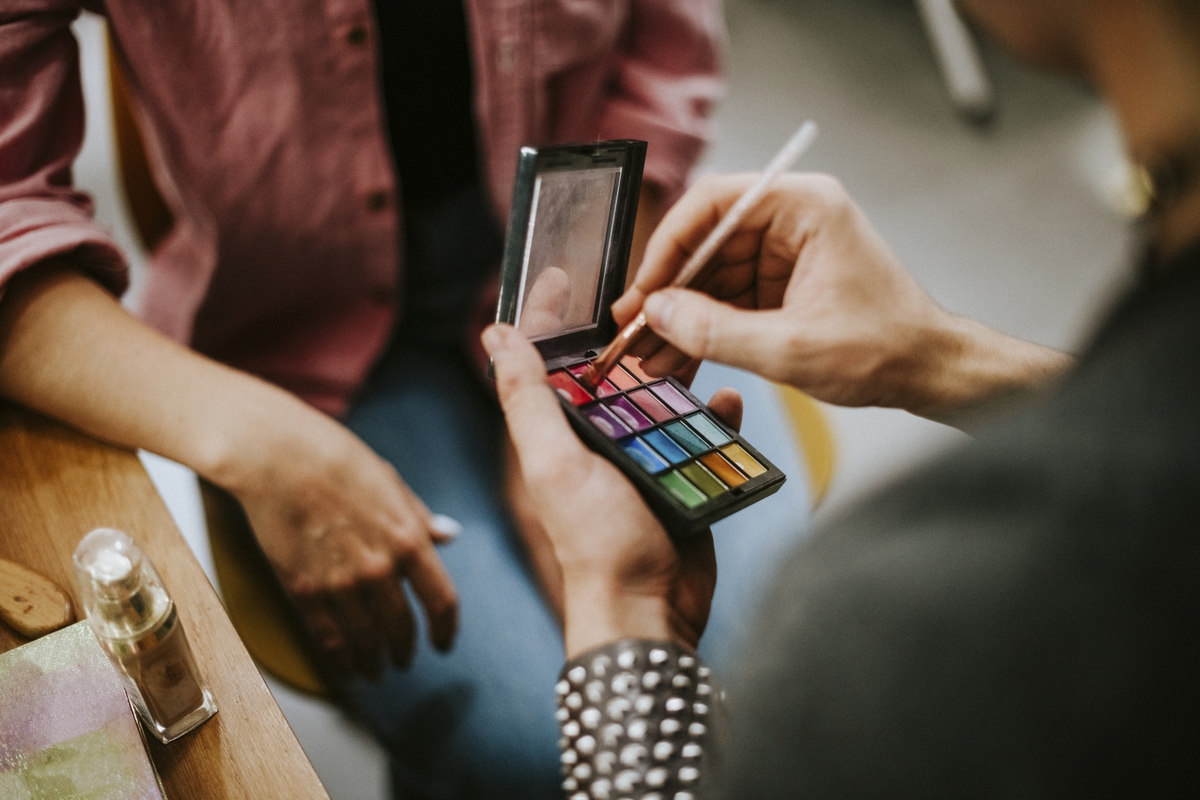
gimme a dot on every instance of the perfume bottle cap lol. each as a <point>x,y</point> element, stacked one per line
<point>122,593</point>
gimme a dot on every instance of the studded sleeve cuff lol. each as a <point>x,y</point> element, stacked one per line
<point>636,718</point>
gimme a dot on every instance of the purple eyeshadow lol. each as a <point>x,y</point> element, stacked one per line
<point>608,424</point>
<point>628,413</point>
<point>672,397</point>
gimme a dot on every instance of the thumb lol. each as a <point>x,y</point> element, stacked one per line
<point>706,328</point>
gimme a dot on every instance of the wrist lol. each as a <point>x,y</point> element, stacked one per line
<point>597,613</point>
<point>962,365</point>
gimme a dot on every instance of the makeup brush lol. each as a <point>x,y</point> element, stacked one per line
<point>696,267</point>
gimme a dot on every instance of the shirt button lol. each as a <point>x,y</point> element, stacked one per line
<point>377,201</point>
<point>356,36</point>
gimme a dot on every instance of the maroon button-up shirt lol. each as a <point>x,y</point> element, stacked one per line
<point>264,128</point>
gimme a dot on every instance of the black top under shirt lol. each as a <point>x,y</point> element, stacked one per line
<point>1018,619</point>
<point>425,65</point>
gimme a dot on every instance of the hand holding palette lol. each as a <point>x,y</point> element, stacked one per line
<point>565,261</point>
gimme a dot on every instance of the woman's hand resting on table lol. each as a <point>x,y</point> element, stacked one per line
<point>807,293</point>
<point>621,575</point>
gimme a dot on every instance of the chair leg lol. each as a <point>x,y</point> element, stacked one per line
<point>966,81</point>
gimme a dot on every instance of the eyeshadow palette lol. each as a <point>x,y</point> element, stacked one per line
<point>565,262</point>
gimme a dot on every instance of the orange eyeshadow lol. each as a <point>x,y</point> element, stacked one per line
<point>723,469</point>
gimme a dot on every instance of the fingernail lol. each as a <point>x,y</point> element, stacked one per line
<point>658,309</point>
<point>446,526</point>
<point>493,339</point>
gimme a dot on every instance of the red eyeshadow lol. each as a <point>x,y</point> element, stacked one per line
<point>606,389</point>
<point>565,385</point>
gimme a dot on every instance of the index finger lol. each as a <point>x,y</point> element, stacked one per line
<point>678,235</point>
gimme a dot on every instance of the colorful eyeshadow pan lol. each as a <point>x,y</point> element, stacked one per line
<point>746,462</point>
<point>703,479</point>
<point>683,491</point>
<point>633,365</point>
<point>708,429</point>
<point>603,419</point>
<point>641,452</point>
<point>650,404</point>
<point>721,467</point>
<point>565,385</point>
<point>666,446</point>
<point>628,413</point>
<point>672,397</point>
<point>622,379</point>
<point>687,438</point>
<point>606,389</point>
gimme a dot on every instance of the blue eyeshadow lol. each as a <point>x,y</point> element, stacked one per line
<point>640,452</point>
<point>666,446</point>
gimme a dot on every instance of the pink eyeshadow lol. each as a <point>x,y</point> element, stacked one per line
<point>672,397</point>
<point>649,403</point>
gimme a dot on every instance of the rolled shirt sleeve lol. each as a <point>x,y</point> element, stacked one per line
<point>41,130</point>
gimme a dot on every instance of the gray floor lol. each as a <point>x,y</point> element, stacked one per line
<point>1011,224</point>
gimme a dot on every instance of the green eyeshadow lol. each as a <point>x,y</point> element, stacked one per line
<point>704,479</point>
<point>682,489</point>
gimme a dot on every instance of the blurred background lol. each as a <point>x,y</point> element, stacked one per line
<point>1016,222</point>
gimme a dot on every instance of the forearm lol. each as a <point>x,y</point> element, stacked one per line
<point>965,369</point>
<point>69,350</point>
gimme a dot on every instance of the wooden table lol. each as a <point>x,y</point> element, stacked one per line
<point>56,485</point>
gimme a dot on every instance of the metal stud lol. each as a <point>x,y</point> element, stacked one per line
<point>625,781</point>
<point>632,754</point>
<point>699,709</point>
<point>595,692</point>
<point>689,775</point>
<point>627,659</point>
<point>697,729</point>
<point>569,757</point>
<point>651,679</point>
<point>611,734</point>
<point>562,714</point>
<point>602,789</point>
<point>577,675</point>
<point>656,777</point>
<point>601,665</point>
<point>604,762</point>
<point>663,751</point>
<point>624,683</point>
<point>561,688</point>
<point>583,771</point>
<point>636,729</point>
<point>703,690</point>
<point>669,726</point>
<point>574,701</point>
<point>618,707</point>
<point>590,717</point>
<point>570,785</point>
<point>686,662</point>
<point>703,671</point>
<point>658,656</point>
<point>681,681</point>
<point>644,704</point>
<point>571,729</point>
<point>675,704</point>
<point>691,750</point>
<point>580,796</point>
<point>684,796</point>
<point>586,745</point>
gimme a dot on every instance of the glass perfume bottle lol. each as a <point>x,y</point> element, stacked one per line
<point>137,625</point>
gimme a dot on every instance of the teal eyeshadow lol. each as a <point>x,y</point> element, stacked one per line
<point>708,429</point>
<point>666,446</point>
<point>687,438</point>
<point>640,452</point>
